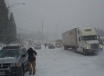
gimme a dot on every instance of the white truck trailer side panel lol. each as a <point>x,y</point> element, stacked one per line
<point>70,38</point>
<point>63,39</point>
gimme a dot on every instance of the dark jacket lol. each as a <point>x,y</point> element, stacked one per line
<point>31,56</point>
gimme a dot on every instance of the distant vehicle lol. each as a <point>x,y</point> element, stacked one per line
<point>58,43</point>
<point>84,40</point>
<point>13,61</point>
<point>37,43</point>
<point>37,46</point>
<point>101,41</point>
<point>51,46</point>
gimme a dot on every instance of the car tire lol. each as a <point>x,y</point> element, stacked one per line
<point>26,70</point>
<point>21,72</point>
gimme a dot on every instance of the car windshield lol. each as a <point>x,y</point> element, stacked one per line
<point>37,46</point>
<point>51,45</point>
<point>88,38</point>
<point>9,53</point>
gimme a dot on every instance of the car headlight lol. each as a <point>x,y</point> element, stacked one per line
<point>14,65</point>
<point>88,47</point>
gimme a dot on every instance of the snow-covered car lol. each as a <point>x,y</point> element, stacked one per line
<point>51,46</point>
<point>37,46</point>
<point>13,61</point>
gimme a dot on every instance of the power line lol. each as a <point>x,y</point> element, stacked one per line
<point>26,16</point>
<point>24,29</point>
<point>29,20</point>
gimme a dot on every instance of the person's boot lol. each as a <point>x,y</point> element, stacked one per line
<point>34,72</point>
<point>30,73</point>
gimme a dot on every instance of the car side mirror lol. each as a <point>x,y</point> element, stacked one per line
<point>23,56</point>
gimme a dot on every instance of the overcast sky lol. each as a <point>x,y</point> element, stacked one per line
<point>67,14</point>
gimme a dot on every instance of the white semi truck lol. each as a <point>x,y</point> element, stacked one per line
<point>84,40</point>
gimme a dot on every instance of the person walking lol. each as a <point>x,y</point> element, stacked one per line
<point>31,60</point>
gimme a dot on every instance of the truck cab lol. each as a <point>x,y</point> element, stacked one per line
<point>87,41</point>
<point>58,43</point>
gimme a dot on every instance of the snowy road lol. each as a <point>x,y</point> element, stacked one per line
<point>59,62</point>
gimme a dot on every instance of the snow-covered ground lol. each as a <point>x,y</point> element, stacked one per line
<point>59,62</point>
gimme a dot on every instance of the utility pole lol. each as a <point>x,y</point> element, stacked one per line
<point>57,32</point>
<point>47,33</point>
<point>42,29</point>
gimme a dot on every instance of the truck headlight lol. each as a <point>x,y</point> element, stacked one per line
<point>101,46</point>
<point>57,45</point>
<point>14,65</point>
<point>88,47</point>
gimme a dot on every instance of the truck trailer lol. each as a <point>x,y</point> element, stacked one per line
<point>84,40</point>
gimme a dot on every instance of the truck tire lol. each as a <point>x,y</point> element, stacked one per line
<point>75,50</point>
<point>64,47</point>
<point>84,52</point>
